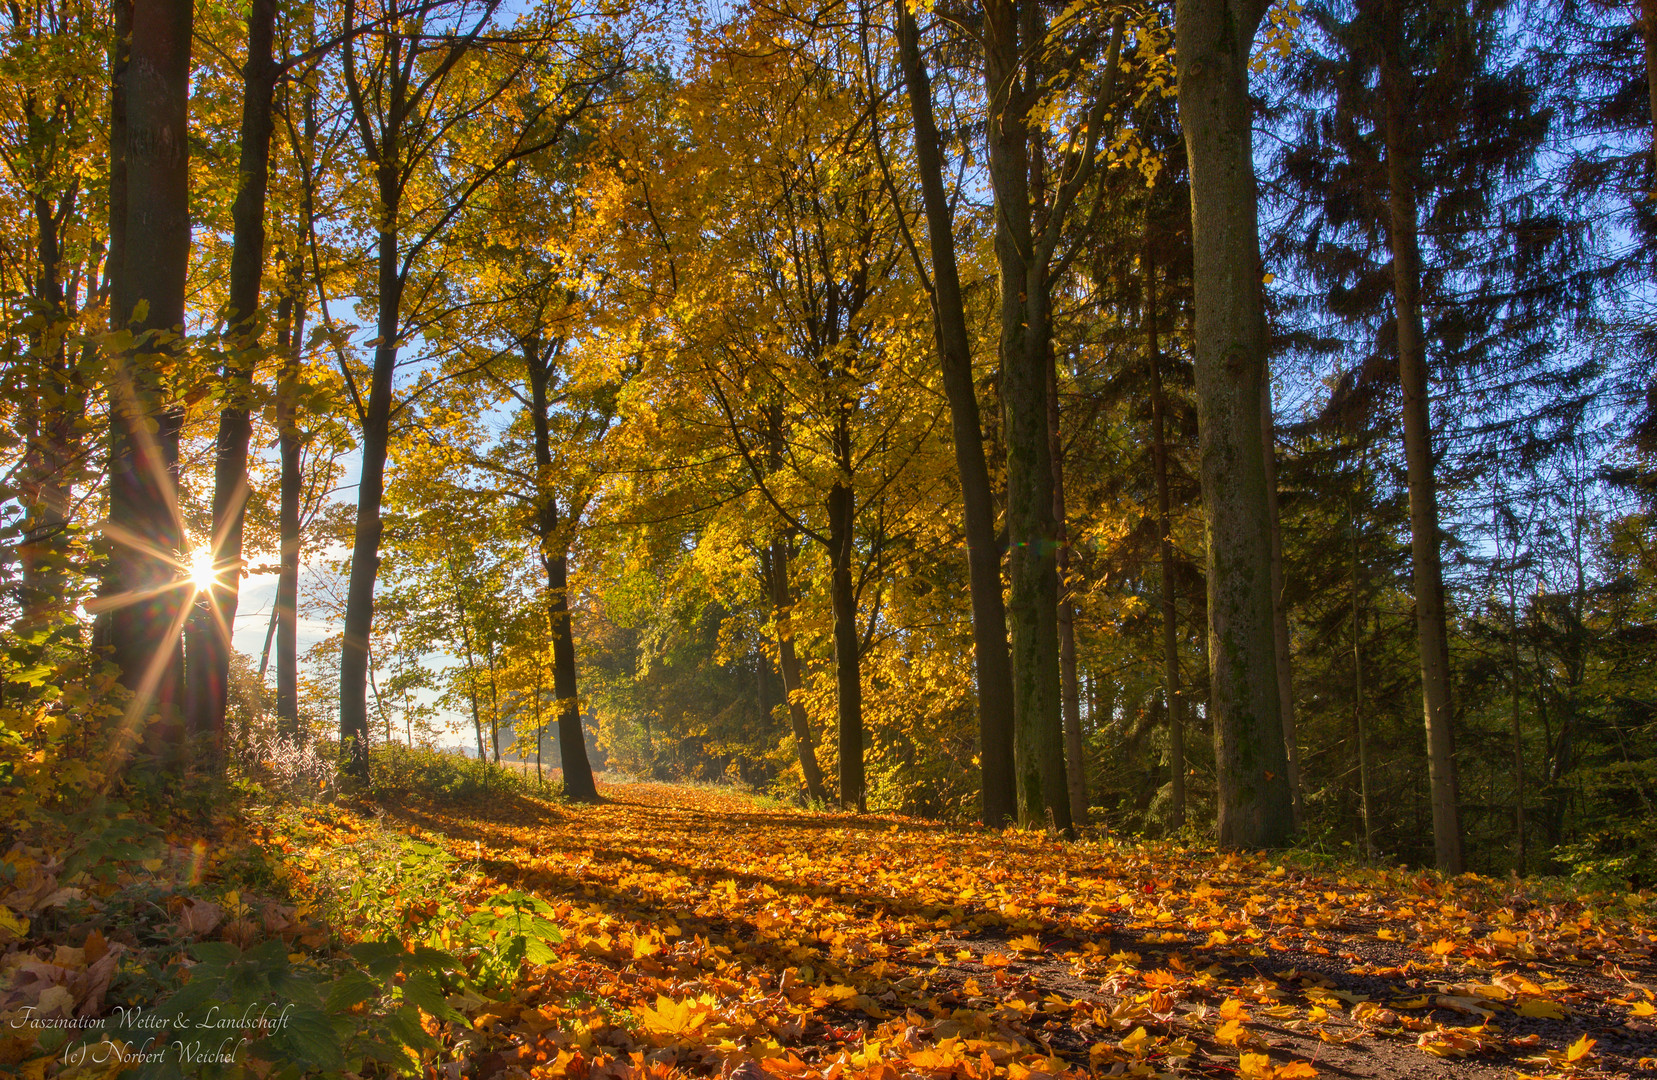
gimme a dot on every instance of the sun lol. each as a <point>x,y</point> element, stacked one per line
<point>202,571</point>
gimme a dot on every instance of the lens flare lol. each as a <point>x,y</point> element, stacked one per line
<point>202,572</point>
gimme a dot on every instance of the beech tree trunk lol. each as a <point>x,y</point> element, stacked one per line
<point>848,682</point>
<point>1365,804</point>
<point>365,549</point>
<point>775,563</point>
<point>1213,43</point>
<point>572,744</point>
<point>1070,698</point>
<point>1280,612</point>
<point>214,620</point>
<point>290,341</point>
<point>989,616</point>
<point>151,187</point>
<point>50,419</point>
<point>1427,574</point>
<point>1175,704</point>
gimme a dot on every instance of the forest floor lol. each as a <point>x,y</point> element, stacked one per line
<point>706,934</point>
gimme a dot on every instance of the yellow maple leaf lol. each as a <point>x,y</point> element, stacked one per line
<point>671,1017</point>
<point>1579,1049</point>
<point>1541,1009</point>
<point>1231,1033</point>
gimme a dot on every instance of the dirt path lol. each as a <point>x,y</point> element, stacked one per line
<point>706,935</point>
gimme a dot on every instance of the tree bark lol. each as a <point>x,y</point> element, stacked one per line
<point>147,287</point>
<point>1280,611</point>
<point>572,744</point>
<point>471,666</point>
<point>1427,573</point>
<point>290,341</point>
<point>989,616</point>
<point>848,682</point>
<point>50,416</point>
<point>213,623</point>
<point>1516,695</point>
<point>1070,698</point>
<point>494,704</point>
<point>1213,43</point>
<point>365,548</point>
<point>1365,804</point>
<point>1011,28</point>
<point>775,564</point>
<point>1175,704</point>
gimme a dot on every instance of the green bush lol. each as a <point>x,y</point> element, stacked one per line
<point>398,771</point>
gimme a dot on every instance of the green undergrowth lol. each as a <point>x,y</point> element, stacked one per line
<point>223,929</point>
<point>401,772</point>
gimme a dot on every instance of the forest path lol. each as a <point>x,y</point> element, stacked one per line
<point>705,933</point>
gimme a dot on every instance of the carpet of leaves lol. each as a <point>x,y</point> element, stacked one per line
<point>706,935</point>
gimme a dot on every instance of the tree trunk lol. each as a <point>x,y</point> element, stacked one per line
<point>1010,28</point>
<point>213,624</point>
<point>290,343</point>
<point>1070,698</point>
<point>1366,804</point>
<point>775,564</point>
<point>494,705</point>
<point>153,106</point>
<point>1280,611</point>
<point>1518,730</point>
<point>50,417</point>
<point>1426,570</point>
<point>1213,45</point>
<point>1165,529</point>
<point>848,682</point>
<point>540,725</point>
<point>572,746</point>
<point>989,617</point>
<point>471,667</point>
<point>365,549</point>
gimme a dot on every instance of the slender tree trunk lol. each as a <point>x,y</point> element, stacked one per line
<point>572,746</point>
<point>1426,570</point>
<point>540,724</point>
<point>365,549</point>
<point>1280,610</point>
<point>291,488</point>
<point>270,636</point>
<point>153,108</point>
<point>471,667</point>
<point>1165,529</point>
<point>1069,691</point>
<point>989,618</point>
<point>494,705</point>
<point>776,566</point>
<point>848,682</point>
<point>214,622</point>
<point>51,415</point>
<point>1365,803</point>
<point>1213,43</point>
<point>1518,730</point>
